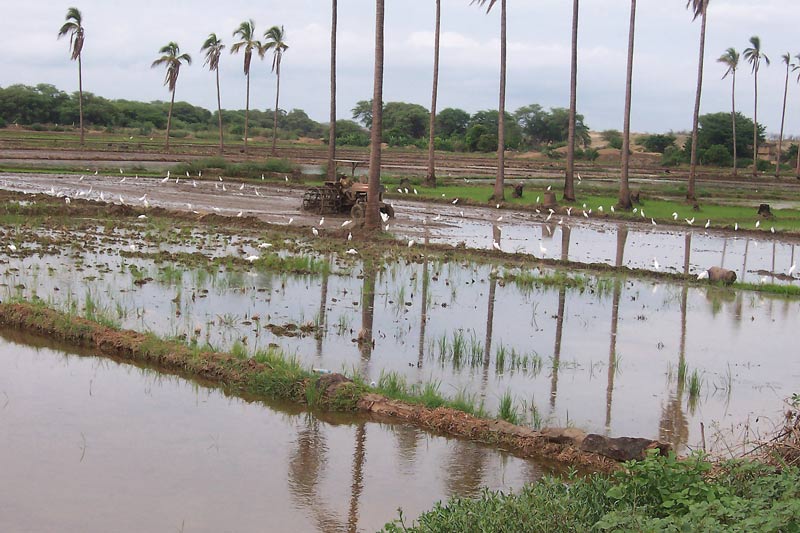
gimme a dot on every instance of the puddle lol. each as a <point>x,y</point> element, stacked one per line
<point>165,454</point>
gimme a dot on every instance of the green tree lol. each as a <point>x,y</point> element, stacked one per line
<point>430,178</point>
<point>275,41</point>
<point>490,119</point>
<point>171,58</point>
<point>624,199</point>
<point>212,48</point>
<point>717,128</point>
<point>246,32</point>
<point>499,194</point>
<point>754,56</point>
<point>362,112</point>
<point>452,122</point>
<point>731,59</point>
<point>787,60</point>
<point>372,220</point>
<point>657,142</point>
<point>717,155</point>
<point>700,9</point>
<point>74,28</point>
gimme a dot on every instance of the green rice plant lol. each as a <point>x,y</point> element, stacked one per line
<point>458,348</point>
<point>239,350</point>
<point>465,402</point>
<point>507,410</point>
<point>682,371</point>
<point>475,349</point>
<point>430,396</point>
<point>500,358</point>
<point>695,386</point>
<point>392,384</point>
<point>443,347</point>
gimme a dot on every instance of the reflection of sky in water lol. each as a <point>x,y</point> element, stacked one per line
<point>736,341</point>
<point>164,454</point>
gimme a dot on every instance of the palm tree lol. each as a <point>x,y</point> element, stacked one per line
<point>246,32</point>
<point>213,48</point>
<point>700,9</point>
<point>787,58</point>
<point>499,195</point>
<point>332,128</point>
<point>797,171</point>
<point>569,182</point>
<point>731,59</point>
<point>624,200</point>
<point>275,40</point>
<point>74,27</point>
<point>372,218</point>
<point>430,179</point>
<point>754,56</point>
<point>171,58</point>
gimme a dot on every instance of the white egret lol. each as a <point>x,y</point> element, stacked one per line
<point>349,236</point>
<point>315,231</point>
<point>674,216</point>
<point>656,266</point>
<point>347,223</point>
<point>454,202</point>
<point>291,219</point>
<point>411,243</point>
<point>252,258</point>
<point>142,217</point>
<point>569,211</point>
<point>384,217</point>
<point>758,223</point>
<point>496,246</point>
<point>708,223</point>
<point>239,214</point>
<point>264,245</point>
<point>689,221</point>
<point>352,251</point>
<point>703,275</point>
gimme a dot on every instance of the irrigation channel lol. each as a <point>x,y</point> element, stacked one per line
<point>755,257</point>
<point>89,444</point>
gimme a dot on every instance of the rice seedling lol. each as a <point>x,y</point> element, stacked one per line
<point>500,358</point>
<point>507,410</point>
<point>239,350</point>
<point>392,384</point>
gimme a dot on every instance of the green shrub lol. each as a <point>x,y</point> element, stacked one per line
<point>591,154</point>
<point>717,155</point>
<point>673,156</point>
<point>657,142</point>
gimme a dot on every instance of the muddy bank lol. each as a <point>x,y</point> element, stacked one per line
<point>266,379</point>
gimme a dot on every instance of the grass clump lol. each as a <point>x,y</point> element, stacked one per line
<point>657,494</point>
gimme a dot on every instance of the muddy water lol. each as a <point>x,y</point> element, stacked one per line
<point>674,249</point>
<point>88,444</point>
<point>608,355</point>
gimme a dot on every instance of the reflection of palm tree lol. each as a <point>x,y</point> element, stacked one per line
<point>700,8</point>
<point>744,264</point>
<point>465,471</point>
<point>487,347</point>
<point>566,233</point>
<point>357,485</point>
<point>687,252</point>
<point>365,337</point>
<point>275,40</point>
<point>612,352</point>
<point>562,300</point>
<point>673,426</point>
<point>754,56</point>
<point>499,194</point>
<point>323,304</point>
<point>332,127</point>
<point>423,321</point>
<point>624,200</point>
<point>213,47</point>
<point>171,58</point>
<point>74,27</point>
<point>731,59</point>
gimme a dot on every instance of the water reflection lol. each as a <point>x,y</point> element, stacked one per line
<point>245,449</point>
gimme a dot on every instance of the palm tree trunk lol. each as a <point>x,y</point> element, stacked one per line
<point>246,113</point>
<point>219,115</point>
<point>783,122</point>
<point>569,183</point>
<point>755,128</point>
<point>80,98</point>
<point>624,200</point>
<point>332,128</point>
<point>372,219</point>
<point>275,115</point>
<point>430,179</point>
<point>733,120</point>
<point>690,194</point>
<point>169,119</point>
<point>499,194</point>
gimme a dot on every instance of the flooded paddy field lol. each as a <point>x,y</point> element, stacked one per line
<point>89,444</point>
<point>614,355</point>
<point>755,256</point>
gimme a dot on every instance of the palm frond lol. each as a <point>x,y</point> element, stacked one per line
<point>698,7</point>
<point>481,3</point>
<point>731,59</point>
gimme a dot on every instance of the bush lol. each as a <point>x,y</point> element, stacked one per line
<point>673,156</point>
<point>178,134</point>
<point>763,165</point>
<point>657,143</point>
<point>487,143</point>
<point>3,122</point>
<point>613,138</point>
<point>716,155</point>
<point>657,494</point>
<point>591,154</point>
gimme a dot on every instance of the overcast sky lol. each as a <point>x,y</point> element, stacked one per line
<point>123,37</point>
